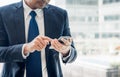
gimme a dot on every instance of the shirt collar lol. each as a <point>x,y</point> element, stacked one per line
<point>27,10</point>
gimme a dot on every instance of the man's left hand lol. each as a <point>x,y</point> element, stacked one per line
<point>62,48</point>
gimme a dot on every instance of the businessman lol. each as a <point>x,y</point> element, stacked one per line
<point>27,31</point>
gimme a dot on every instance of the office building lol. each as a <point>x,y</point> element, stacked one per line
<point>109,18</point>
<point>83,16</point>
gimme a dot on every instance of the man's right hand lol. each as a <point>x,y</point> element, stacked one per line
<point>39,43</point>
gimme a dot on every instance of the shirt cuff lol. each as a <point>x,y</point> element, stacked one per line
<point>65,58</point>
<point>24,56</point>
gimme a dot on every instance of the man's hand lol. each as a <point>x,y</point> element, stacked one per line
<point>117,48</point>
<point>63,48</point>
<point>39,43</point>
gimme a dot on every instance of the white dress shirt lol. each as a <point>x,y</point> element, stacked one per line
<point>40,21</point>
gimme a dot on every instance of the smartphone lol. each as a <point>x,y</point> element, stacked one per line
<point>68,38</point>
<point>61,38</point>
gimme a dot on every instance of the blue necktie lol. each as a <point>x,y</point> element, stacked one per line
<point>33,61</point>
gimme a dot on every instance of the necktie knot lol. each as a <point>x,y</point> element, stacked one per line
<point>33,14</point>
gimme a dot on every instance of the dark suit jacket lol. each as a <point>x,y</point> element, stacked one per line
<point>12,38</point>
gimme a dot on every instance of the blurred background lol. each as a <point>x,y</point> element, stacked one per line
<point>95,28</point>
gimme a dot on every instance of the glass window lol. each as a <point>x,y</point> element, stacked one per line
<point>112,17</point>
<point>69,1</point>
<point>96,19</point>
<point>110,1</point>
<point>89,19</point>
<point>83,2</point>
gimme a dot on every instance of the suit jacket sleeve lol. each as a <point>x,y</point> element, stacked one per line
<point>8,53</point>
<point>66,32</point>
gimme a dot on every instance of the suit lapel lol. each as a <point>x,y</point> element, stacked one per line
<point>52,25</point>
<point>47,33</point>
<point>46,30</point>
<point>19,23</point>
<point>46,22</point>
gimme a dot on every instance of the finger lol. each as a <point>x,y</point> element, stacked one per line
<point>33,48</point>
<point>46,42</point>
<point>38,48</point>
<point>66,42</point>
<point>117,48</point>
<point>46,38</point>
<point>55,47</point>
<point>41,41</point>
<point>40,45</point>
<point>53,44</point>
<point>57,44</point>
<point>37,45</point>
<point>37,42</point>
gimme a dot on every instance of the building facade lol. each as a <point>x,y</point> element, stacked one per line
<point>109,18</point>
<point>83,16</point>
